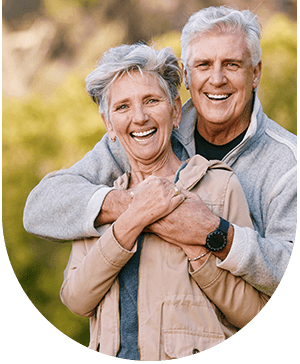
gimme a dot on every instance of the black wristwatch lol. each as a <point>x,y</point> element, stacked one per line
<point>217,239</point>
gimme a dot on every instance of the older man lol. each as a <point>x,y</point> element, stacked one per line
<point>222,120</point>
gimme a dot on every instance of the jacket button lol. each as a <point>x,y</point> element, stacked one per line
<point>195,351</point>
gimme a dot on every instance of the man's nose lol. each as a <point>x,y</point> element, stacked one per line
<point>140,116</point>
<point>217,77</point>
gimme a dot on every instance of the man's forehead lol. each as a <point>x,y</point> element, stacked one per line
<point>211,46</point>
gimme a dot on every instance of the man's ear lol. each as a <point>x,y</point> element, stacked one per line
<point>185,77</point>
<point>256,75</point>
<point>177,111</point>
<point>109,128</point>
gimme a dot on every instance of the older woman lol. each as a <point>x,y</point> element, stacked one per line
<point>148,299</point>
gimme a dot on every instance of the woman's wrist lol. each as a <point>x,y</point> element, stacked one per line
<point>127,228</point>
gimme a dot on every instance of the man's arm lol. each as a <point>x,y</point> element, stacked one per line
<point>65,204</point>
<point>114,204</point>
<point>259,260</point>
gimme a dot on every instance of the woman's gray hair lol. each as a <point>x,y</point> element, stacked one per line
<point>223,20</point>
<point>163,64</point>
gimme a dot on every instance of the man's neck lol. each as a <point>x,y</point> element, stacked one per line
<point>223,133</point>
<point>220,134</point>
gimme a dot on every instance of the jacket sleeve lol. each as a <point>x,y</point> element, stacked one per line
<point>64,205</point>
<point>236,299</point>
<point>261,257</point>
<point>92,268</point>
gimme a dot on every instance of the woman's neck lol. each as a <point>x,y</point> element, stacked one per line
<point>165,166</point>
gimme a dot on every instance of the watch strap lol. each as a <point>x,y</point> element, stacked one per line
<point>224,225</point>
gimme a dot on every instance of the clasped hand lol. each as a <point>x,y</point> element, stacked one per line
<point>155,198</point>
<point>181,219</point>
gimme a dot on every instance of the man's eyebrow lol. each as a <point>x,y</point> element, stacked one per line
<point>200,60</point>
<point>235,60</point>
<point>205,60</point>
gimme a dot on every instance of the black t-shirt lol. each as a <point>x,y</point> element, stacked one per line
<point>212,151</point>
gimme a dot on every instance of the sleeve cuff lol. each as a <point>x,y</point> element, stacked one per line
<point>207,273</point>
<point>236,253</point>
<point>112,251</point>
<point>92,211</point>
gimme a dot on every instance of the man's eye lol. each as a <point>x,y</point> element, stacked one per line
<point>203,65</point>
<point>232,66</point>
<point>152,101</point>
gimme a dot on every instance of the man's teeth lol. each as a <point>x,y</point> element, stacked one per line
<point>218,97</point>
<point>143,133</point>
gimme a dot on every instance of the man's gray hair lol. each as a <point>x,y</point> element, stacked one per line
<point>223,20</point>
<point>163,64</point>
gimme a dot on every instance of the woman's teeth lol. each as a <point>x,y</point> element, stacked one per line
<point>142,134</point>
<point>218,97</point>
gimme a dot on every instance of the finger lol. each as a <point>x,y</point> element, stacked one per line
<point>187,193</point>
<point>131,193</point>
<point>176,201</point>
<point>176,190</point>
<point>148,180</point>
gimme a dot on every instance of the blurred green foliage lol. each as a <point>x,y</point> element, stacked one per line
<point>278,86</point>
<point>44,134</point>
<point>40,135</point>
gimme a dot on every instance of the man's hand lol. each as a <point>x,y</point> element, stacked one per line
<point>114,204</point>
<point>189,224</point>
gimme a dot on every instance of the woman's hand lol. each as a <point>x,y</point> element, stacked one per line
<point>155,198</point>
<point>152,200</point>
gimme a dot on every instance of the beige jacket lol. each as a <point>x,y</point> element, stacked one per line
<point>180,312</point>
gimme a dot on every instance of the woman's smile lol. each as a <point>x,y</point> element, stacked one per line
<point>145,135</point>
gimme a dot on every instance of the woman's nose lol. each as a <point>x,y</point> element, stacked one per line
<point>140,115</point>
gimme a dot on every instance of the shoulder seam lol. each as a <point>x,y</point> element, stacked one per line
<point>283,140</point>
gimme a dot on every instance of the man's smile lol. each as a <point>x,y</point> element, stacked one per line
<point>217,97</point>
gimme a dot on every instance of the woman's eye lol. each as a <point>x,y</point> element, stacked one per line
<point>121,107</point>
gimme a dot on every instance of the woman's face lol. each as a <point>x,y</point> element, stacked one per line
<point>141,116</point>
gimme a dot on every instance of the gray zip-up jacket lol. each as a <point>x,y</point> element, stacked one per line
<point>64,205</point>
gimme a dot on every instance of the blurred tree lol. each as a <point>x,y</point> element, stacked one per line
<point>39,136</point>
<point>278,86</point>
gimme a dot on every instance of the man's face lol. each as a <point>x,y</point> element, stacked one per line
<point>222,79</point>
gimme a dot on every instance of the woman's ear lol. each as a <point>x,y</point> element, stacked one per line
<point>109,128</point>
<point>177,112</point>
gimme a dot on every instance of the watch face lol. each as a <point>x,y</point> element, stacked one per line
<point>216,240</point>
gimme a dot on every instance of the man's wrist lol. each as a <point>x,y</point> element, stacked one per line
<point>222,254</point>
<point>114,204</point>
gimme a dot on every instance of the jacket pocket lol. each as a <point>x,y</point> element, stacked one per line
<point>184,343</point>
<point>189,328</point>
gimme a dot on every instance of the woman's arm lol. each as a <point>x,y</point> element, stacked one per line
<point>95,263</point>
<point>235,298</point>
<point>92,268</point>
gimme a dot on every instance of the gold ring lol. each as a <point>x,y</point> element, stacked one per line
<point>176,190</point>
